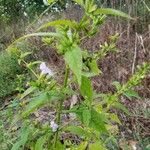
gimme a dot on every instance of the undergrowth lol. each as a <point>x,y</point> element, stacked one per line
<point>9,68</point>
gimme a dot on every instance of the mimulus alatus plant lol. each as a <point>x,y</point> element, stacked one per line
<point>93,121</point>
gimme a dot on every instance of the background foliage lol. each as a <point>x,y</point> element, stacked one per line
<point>9,68</point>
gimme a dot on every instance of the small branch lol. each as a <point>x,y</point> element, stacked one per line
<point>146,6</point>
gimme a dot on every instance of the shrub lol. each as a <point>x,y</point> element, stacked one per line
<point>9,69</point>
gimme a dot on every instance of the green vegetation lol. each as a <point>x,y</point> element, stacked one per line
<point>91,120</point>
<point>9,68</point>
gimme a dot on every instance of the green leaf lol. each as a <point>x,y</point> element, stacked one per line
<point>80,2</point>
<point>131,93</point>
<point>31,64</point>
<point>39,101</point>
<point>69,23</point>
<point>77,130</point>
<point>115,118</point>
<point>40,143</point>
<point>96,146</point>
<point>82,146</point>
<point>97,121</point>
<point>90,6</point>
<point>23,139</point>
<point>27,92</point>
<point>51,1</point>
<point>47,34</point>
<point>86,114</point>
<point>94,67</point>
<point>59,146</point>
<point>73,58</point>
<point>109,11</point>
<point>41,34</point>
<point>121,107</point>
<point>100,95</point>
<point>147,147</point>
<point>86,89</point>
<point>117,85</point>
<point>23,55</point>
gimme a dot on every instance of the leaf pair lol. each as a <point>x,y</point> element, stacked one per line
<point>39,101</point>
<point>91,118</point>
<point>129,93</point>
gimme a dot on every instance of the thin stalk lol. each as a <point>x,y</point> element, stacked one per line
<point>38,18</point>
<point>30,68</point>
<point>60,106</point>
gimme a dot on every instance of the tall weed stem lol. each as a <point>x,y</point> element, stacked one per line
<point>59,112</point>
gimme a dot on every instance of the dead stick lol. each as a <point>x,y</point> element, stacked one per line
<point>135,55</point>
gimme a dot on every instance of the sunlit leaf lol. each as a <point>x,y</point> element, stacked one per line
<point>115,118</point>
<point>109,11</point>
<point>69,23</point>
<point>51,1</point>
<point>113,129</point>
<point>47,34</point>
<point>90,6</point>
<point>96,146</point>
<point>83,146</point>
<point>40,34</point>
<point>80,2</point>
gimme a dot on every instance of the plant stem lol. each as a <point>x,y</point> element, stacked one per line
<point>30,68</point>
<point>60,106</point>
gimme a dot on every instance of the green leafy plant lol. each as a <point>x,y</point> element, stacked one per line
<point>9,68</point>
<point>93,117</point>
